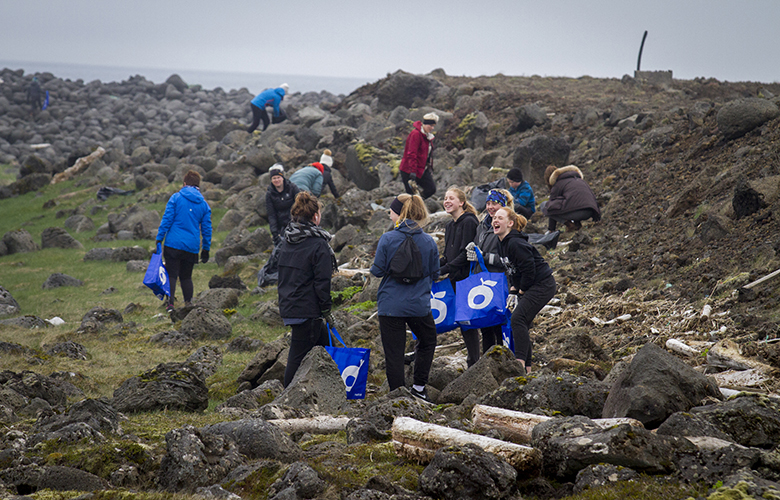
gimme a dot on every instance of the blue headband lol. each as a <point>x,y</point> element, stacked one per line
<point>497,197</point>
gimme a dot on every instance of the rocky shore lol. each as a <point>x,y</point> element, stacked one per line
<point>656,359</point>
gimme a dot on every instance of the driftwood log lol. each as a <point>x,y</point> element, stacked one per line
<point>516,426</point>
<point>324,424</point>
<point>419,441</point>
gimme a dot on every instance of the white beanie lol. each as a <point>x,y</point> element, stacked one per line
<point>326,158</point>
<point>276,169</point>
<point>286,88</point>
<point>431,117</point>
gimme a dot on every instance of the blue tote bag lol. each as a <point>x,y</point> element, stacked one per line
<point>480,299</point>
<point>156,277</point>
<point>352,363</point>
<point>506,335</point>
<point>443,306</point>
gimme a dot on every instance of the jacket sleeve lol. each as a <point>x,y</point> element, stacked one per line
<point>273,218</point>
<point>205,228</point>
<point>379,267</point>
<point>167,220</point>
<point>323,270</point>
<point>328,179</point>
<point>277,100</point>
<point>415,159</point>
<point>557,199</point>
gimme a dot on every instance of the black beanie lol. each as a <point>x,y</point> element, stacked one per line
<point>515,175</point>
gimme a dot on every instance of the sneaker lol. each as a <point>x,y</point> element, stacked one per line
<point>421,394</point>
<point>169,308</point>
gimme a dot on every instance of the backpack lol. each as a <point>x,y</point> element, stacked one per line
<point>406,265</point>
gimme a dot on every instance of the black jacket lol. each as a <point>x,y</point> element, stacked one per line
<point>327,180</point>
<point>488,242</point>
<point>305,269</point>
<point>278,206</point>
<point>458,234</point>
<point>525,265</point>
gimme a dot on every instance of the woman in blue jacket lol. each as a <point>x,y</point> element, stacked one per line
<point>186,230</point>
<point>268,97</point>
<point>400,304</point>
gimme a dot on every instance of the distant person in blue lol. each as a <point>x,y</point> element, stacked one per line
<point>186,230</point>
<point>268,97</point>
<point>521,191</point>
<point>35,95</point>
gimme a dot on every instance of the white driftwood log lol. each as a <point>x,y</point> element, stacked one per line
<point>78,167</point>
<point>419,441</point>
<point>681,347</point>
<point>324,424</point>
<point>517,426</point>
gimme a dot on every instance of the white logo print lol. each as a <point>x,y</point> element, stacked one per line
<point>163,275</point>
<point>351,371</point>
<point>439,306</point>
<point>482,292</point>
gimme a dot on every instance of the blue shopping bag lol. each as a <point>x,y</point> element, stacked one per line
<point>506,335</point>
<point>156,277</point>
<point>352,363</point>
<point>443,306</point>
<point>480,299</point>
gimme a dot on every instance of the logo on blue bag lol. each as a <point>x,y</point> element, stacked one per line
<point>351,371</point>
<point>439,306</point>
<point>163,275</point>
<point>480,296</point>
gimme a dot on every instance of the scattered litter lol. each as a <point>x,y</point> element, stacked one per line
<point>681,348</point>
<point>601,322</point>
<point>56,321</point>
<point>551,310</point>
<point>42,145</point>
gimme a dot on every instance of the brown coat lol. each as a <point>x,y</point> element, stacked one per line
<point>570,192</point>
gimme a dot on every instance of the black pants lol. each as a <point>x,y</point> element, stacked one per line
<point>524,211</point>
<point>179,265</point>
<point>426,183</point>
<point>257,115</point>
<point>491,336</point>
<point>528,306</point>
<point>393,332</point>
<point>304,337</point>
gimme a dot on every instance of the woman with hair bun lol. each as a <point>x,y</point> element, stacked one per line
<point>401,303</point>
<point>306,263</point>
<point>531,282</point>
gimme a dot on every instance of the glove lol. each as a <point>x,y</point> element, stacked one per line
<point>204,256</point>
<point>471,254</point>
<point>413,185</point>
<point>159,247</point>
<point>329,319</point>
<point>511,301</point>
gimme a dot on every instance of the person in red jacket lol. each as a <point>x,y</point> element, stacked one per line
<point>417,165</point>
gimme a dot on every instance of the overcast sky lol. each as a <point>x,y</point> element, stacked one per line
<point>727,40</point>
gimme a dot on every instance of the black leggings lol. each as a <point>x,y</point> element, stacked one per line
<point>257,115</point>
<point>179,265</point>
<point>426,183</point>
<point>304,337</point>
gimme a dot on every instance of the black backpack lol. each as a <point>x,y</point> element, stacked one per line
<point>406,265</point>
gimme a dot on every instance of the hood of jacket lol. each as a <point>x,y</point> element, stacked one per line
<point>514,234</point>
<point>565,170</point>
<point>192,194</point>
<point>318,166</point>
<point>409,226</point>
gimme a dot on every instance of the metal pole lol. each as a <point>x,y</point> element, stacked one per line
<point>642,46</point>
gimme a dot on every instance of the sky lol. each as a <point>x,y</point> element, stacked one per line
<point>727,40</point>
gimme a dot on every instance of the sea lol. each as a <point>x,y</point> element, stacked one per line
<point>254,82</point>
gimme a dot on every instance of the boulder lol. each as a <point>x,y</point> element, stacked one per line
<point>19,241</point>
<point>655,385</point>
<point>258,241</point>
<point>97,318</point>
<point>405,89</point>
<point>482,377</point>
<point>27,321</point>
<point>534,154</point>
<point>207,359</point>
<point>79,223</point>
<point>299,481</point>
<point>8,305</point>
<point>263,360</point>
<point>467,472</point>
<point>137,215</point>
<point>738,117</point>
<point>57,280</point>
<point>126,254</point>
<point>365,176</point>
<point>446,369</point>
<point>529,116</point>
<point>56,237</point>
<point>256,438</point>
<point>399,403</point>
<point>172,386</point>
<point>31,478</point>
<point>714,459</point>
<point>252,399</point>
<point>194,459</point>
<point>29,183</point>
<point>217,299</point>
<point>68,349</point>
<point>172,338</point>
<point>748,419</point>
<point>317,385</point>
<point>33,385</point>
<point>594,476</point>
<point>206,324</point>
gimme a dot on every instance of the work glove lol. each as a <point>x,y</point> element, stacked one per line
<point>330,320</point>
<point>413,185</point>
<point>159,247</point>
<point>204,256</point>
<point>511,301</point>
<point>471,254</point>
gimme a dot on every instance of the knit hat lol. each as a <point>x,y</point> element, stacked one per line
<point>515,175</point>
<point>286,88</point>
<point>396,206</point>
<point>326,158</point>
<point>276,169</point>
<point>430,119</point>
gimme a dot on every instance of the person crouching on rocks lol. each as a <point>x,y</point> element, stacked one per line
<point>268,97</point>
<point>571,199</point>
<point>306,264</point>
<point>185,229</point>
<point>401,303</point>
<point>417,162</point>
<point>531,282</point>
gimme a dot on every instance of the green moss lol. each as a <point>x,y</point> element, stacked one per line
<point>368,305</point>
<point>642,488</point>
<point>256,484</point>
<point>464,129</point>
<point>344,295</point>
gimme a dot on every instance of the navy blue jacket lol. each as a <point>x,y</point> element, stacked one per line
<point>397,299</point>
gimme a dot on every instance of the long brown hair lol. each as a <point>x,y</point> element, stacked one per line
<point>305,207</point>
<point>467,207</point>
<point>413,208</point>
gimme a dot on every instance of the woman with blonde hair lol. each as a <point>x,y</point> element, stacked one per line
<point>458,233</point>
<point>531,282</point>
<point>487,242</point>
<point>402,302</point>
<point>306,263</point>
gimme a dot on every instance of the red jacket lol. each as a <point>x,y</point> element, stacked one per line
<point>415,152</point>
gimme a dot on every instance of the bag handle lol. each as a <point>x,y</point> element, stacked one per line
<point>480,261</point>
<point>335,333</point>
